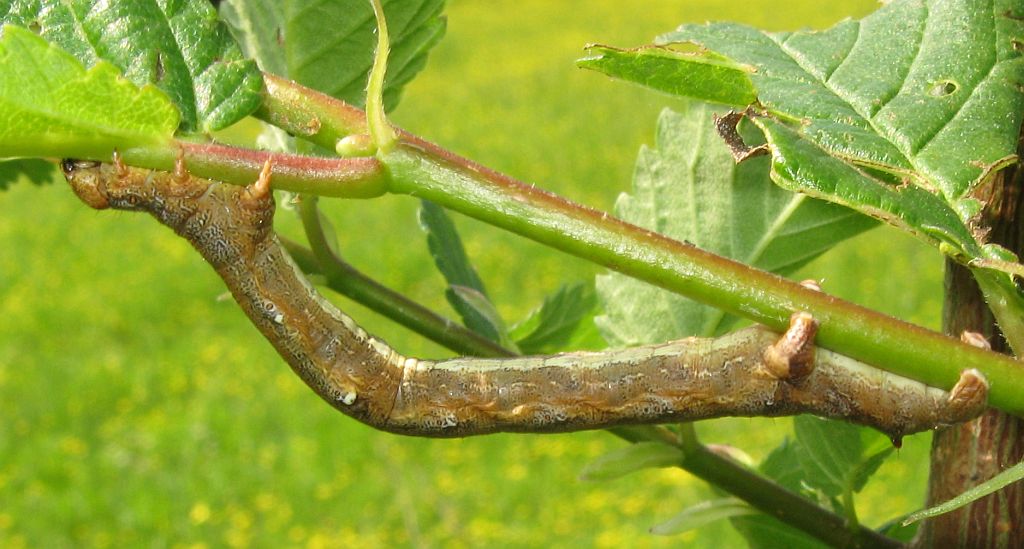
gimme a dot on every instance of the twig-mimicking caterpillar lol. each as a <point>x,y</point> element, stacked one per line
<point>750,372</point>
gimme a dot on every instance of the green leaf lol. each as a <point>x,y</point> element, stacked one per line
<point>832,455</point>
<point>466,292</point>
<point>330,44</point>
<point>783,465</point>
<point>479,314</point>
<point>830,452</point>
<point>689,188</point>
<point>702,514</point>
<point>258,27</point>
<point>901,90</point>
<point>179,46</point>
<point>869,467</point>
<point>765,532</point>
<point>558,321</point>
<point>800,165</point>
<point>701,74</point>
<point>51,106</point>
<point>642,455</point>
<point>33,170</point>
<point>896,530</point>
<point>998,482</point>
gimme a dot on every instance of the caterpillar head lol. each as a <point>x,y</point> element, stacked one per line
<point>87,181</point>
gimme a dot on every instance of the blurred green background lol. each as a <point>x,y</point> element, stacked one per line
<point>139,408</point>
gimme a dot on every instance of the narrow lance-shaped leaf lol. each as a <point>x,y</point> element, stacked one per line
<point>466,292</point>
<point>998,482</point>
<point>50,105</point>
<point>632,458</point>
<point>689,187</point>
<point>181,47</point>
<point>702,514</point>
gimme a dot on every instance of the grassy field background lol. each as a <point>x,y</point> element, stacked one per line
<point>139,408</point>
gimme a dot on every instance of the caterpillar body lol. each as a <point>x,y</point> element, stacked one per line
<point>750,372</point>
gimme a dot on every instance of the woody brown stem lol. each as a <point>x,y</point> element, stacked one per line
<point>968,454</point>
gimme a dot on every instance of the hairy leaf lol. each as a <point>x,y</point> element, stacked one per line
<point>179,46</point>
<point>565,316</point>
<point>689,188</point>
<point>632,458</point>
<point>925,92</point>
<point>52,106</point>
<point>901,90</point>
<point>329,45</point>
<point>702,514</point>
<point>998,482</point>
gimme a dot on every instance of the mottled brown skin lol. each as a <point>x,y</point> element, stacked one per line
<point>751,372</point>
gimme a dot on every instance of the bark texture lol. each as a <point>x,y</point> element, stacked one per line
<point>968,454</point>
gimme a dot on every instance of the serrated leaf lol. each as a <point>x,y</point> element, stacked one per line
<point>330,44</point>
<point>632,458</point>
<point>35,171</point>
<point>831,455</point>
<point>702,74</point>
<point>901,90</point>
<point>689,188</point>
<point>998,482</point>
<point>550,327</point>
<point>52,106</point>
<point>466,292</point>
<point>179,46</point>
<point>800,165</point>
<point>702,514</point>
<point>480,315</point>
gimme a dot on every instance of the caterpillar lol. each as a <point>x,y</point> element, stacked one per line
<point>749,372</point>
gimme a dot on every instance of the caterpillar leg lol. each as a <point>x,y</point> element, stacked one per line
<point>792,356</point>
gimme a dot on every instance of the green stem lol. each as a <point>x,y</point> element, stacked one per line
<point>1001,295</point>
<point>348,177</point>
<point>383,135</point>
<point>765,494</point>
<point>421,169</point>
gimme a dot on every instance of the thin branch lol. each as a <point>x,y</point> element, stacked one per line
<point>347,177</point>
